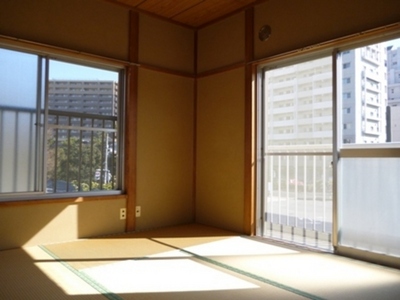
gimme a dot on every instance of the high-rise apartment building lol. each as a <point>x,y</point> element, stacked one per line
<point>300,99</point>
<point>92,98</point>
<point>364,95</point>
<point>300,104</point>
<point>393,109</point>
<point>393,67</point>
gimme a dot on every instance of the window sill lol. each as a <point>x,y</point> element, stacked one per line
<point>62,198</point>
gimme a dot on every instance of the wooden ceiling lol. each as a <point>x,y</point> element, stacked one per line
<point>193,13</point>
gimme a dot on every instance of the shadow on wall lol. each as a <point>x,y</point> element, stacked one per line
<point>25,224</point>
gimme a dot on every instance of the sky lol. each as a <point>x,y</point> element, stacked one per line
<point>395,43</point>
<point>60,71</point>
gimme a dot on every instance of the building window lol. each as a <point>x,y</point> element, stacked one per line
<point>52,144</point>
<point>346,65</point>
<point>347,95</point>
<point>346,80</point>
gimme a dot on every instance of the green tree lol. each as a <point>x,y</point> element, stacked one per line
<point>75,161</point>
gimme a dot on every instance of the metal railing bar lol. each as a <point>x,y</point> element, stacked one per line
<point>31,143</point>
<point>15,160</point>
<point>91,156</point>
<point>71,127</point>
<point>112,167</point>
<point>271,189</point>
<point>56,159</point>
<point>279,190</point>
<point>80,157</point>
<point>305,192</point>
<point>287,191</point>
<point>68,152</point>
<point>19,109</point>
<point>81,115</point>
<point>314,193</point>
<point>102,159</point>
<point>295,189</point>
<point>324,193</point>
<point>298,153</point>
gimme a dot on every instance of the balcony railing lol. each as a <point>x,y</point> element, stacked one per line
<point>82,151</point>
<point>299,194</point>
<point>79,152</point>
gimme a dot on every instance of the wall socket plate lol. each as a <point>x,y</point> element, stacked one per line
<point>138,211</point>
<point>122,214</point>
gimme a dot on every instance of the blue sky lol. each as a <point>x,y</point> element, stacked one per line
<point>60,71</point>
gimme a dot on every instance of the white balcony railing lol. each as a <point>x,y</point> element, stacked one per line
<point>299,193</point>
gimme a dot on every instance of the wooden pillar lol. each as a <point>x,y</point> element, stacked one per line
<point>131,122</point>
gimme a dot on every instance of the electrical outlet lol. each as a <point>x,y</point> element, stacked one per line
<point>122,214</point>
<point>138,211</point>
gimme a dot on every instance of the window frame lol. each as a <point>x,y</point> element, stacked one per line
<point>45,54</point>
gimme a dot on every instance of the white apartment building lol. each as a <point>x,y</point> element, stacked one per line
<point>94,98</point>
<point>393,109</point>
<point>99,97</point>
<point>364,95</point>
<point>300,104</point>
<point>393,67</point>
<point>300,100</point>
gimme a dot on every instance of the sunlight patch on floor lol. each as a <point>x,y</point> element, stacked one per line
<point>237,246</point>
<point>163,275</point>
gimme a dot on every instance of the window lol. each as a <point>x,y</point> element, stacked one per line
<point>346,65</point>
<point>346,110</point>
<point>346,80</point>
<point>346,126</point>
<point>294,152</point>
<point>347,95</point>
<point>50,142</point>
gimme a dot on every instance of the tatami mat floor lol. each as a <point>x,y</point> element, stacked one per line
<point>188,262</point>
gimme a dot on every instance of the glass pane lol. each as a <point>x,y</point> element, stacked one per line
<point>82,122</point>
<point>299,108</point>
<point>369,207</point>
<point>370,93</point>
<point>298,152</point>
<point>18,102</point>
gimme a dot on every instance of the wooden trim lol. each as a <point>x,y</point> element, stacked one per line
<point>167,71</point>
<point>249,129</point>
<point>59,52</point>
<point>221,70</point>
<point>131,123</point>
<point>138,10</point>
<point>70,200</point>
<point>239,10</point>
<point>353,40</point>
<point>194,192</point>
<point>195,52</point>
<point>170,20</point>
<point>249,37</point>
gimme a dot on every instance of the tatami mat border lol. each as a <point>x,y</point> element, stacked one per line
<point>97,286</point>
<point>112,296</point>
<point>245,273</point>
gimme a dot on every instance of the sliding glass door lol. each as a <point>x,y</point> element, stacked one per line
<point>329,150</point>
